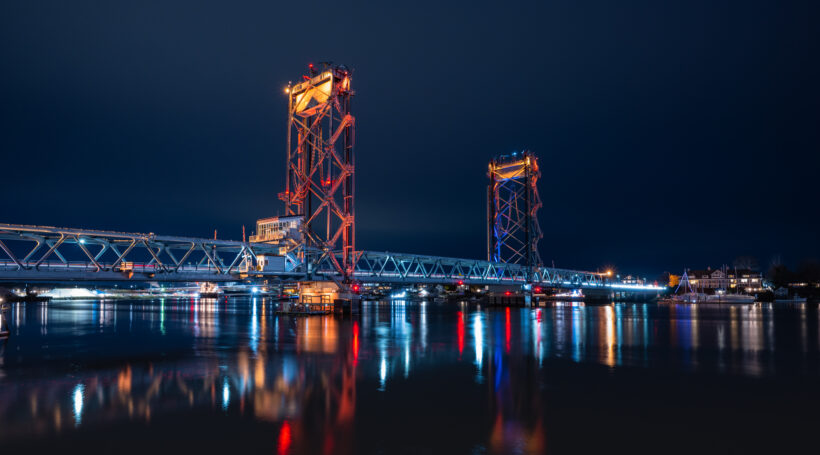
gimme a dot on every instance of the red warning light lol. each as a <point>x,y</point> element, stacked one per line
<point>460,282</point>
<point>507,293</point>
<point>355,288</point>
<point>537,289</point>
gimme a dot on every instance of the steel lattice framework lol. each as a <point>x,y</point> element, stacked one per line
<point>513,231</point>
<point>320,168</point>
<point>410,268</point>
<point>48,253</point>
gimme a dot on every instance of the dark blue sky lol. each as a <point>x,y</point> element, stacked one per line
<point>670,134</point>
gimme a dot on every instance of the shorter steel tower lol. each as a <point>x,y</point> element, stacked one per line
<point>512,209</point>
<point>320,167</point>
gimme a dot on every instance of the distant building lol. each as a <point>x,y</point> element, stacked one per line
<point>743,280</point>
<point>629,279</point>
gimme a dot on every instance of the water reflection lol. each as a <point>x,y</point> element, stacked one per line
<point>78,397</point>
<point>90,364</point>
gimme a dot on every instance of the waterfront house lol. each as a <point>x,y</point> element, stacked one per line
<point>742,280</point>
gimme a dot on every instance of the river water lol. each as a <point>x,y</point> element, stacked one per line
<point>229,375</point>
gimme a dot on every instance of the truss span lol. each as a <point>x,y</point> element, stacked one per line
<point>385,267</point>
<point>44,253</point>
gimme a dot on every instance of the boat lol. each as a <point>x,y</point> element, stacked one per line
<point>576,295</point>
<point>303,309</point>
<point>730,298</point>
<point>689,297</point>
<point>209,291</point>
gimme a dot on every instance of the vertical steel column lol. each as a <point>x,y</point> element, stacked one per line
<point>491,215</point>
<point>349,240</point>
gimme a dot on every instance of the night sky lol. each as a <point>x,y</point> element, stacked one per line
<point>671,134</point>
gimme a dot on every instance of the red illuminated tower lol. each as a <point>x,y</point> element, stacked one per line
<point>513,231</point>
<point>320,167</point>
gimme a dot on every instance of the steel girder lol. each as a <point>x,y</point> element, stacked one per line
<point>320,168</point>
<point>37,251</point>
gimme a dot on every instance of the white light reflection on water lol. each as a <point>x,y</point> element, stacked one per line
<point>254,328</point>
<point>161,316</point>
<point>578,322</point>
<point>226,394</point>
<point>423,324</point>
<point>407,359</point>
<point>382,335</point>
<point>382,374</point>
<point>77,397</point>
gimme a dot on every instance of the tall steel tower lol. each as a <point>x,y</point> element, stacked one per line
<point>512,209</point>
<point>320,167</point>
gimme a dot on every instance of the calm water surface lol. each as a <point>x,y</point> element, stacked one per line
<point>229,375</point>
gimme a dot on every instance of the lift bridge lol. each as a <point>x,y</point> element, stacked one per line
<point>55,255</point>
<point>315,240</point>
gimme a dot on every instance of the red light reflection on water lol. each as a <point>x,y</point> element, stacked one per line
<point>460,333</point>
<point>507,329</point>
<point>355,341</point>
<point>284,439</point>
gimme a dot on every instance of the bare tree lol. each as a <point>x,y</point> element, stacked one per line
<point>746,262</point>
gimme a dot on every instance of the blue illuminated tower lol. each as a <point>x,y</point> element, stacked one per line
<point>513,231</point>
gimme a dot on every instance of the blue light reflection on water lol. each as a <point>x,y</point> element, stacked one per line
<point>237,356</point>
